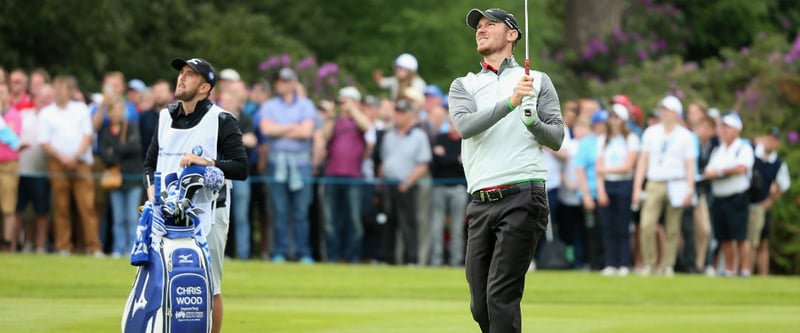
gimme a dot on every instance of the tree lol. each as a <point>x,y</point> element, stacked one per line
<point>588,20</point>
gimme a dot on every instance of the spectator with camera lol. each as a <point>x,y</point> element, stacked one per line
<point>344,135</point>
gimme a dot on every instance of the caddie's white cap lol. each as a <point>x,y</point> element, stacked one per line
<point>732,119</point>
<point>621,111</point>
<point>407,61</point>
<point>351,93</point>
<point>672,103</point>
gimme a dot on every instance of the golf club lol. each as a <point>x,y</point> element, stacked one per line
<point>528,104</point>
<point>527,46</point>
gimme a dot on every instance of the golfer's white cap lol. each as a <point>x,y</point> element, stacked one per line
<point>407,61</point>
<point>230,75</point>
<point>350,93</point>
<point>673,104</point>
<point>732,119</point>
<point>621,111</point>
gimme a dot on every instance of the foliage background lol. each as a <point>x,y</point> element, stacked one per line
<point>735,54</point>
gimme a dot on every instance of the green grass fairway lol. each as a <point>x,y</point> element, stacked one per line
<point>86,295</point>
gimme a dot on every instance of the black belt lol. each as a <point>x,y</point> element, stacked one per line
<point>500,193</point>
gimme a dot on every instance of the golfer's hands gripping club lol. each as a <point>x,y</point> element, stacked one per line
<point>525,97</point>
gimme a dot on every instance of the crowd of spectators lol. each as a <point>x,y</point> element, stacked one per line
<point>363,178</point>
<point>679,195</point>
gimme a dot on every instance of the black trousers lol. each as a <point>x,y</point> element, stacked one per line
<point>403,218</point>
<point>502,237</point>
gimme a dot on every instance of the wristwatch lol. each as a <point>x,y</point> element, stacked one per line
<point>209,161</point>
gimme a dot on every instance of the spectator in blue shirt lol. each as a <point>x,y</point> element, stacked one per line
<point>288,120</point>
<point>585,163</point>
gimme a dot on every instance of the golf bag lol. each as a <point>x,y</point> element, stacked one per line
<point>172,290</point>
<point>172,293</point>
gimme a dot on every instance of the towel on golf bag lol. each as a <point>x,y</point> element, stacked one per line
<point>154,217</point>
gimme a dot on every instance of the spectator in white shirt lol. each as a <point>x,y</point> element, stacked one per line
<point>729,169</point>
<point>34,186</point>
<point>776,181</point>
<point>616,158</point>
<point>668,161</point>
<point>65,133</point>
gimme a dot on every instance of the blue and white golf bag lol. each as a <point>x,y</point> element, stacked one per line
<point>172,291</point>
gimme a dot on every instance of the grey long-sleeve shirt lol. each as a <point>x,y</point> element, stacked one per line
<point>498,148</point>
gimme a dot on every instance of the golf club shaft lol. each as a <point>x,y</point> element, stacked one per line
<point>527,46</point>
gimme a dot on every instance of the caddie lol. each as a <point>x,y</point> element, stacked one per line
<point>195,131</point>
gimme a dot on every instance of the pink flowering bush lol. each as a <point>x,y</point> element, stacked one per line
<point>321,81</point>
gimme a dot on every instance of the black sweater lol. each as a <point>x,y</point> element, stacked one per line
<point>127,155</point>
<point>447,167</point>
<point>231,155</point>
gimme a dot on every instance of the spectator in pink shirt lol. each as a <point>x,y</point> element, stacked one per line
<point>18,88</point>
<point>344,132</point>
<point>10,127</point>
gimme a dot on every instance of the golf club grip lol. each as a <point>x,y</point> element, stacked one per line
<point>157,186</point>
<point>527,67</point>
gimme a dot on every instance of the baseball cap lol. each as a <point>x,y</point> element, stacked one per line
<point>713,113</point>
<point>775,132</point>
<point>414,95</point>
<point>404,105</point>
<point>673,104</point>
<point>229,74</point>
<point>622,99</point>
<point>494,14</point>
<point>199,65</point>
<point>433,90</point>
<point>285,74</point>
<point>137,85</point>
<point>371,100</point>
<point>620,111</point>
<point>732,119</point>
<point>600,117</point>
<point>407,61</point>
<point>350,93</point>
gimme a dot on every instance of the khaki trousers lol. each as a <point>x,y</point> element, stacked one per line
<point>80,183</point>
<point>702,230</point>
<point>654,204</point>
<point>755,222</point>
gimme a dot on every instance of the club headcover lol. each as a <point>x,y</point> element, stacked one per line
<point>215,178</point>
<point>171,182</point>
<point>192,179</point>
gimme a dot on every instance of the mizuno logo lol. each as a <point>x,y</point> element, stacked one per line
<point>185,258</point>
<point>141,302</point>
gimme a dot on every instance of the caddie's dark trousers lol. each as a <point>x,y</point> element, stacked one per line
<point>501,241</point>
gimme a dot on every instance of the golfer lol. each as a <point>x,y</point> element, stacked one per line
<point>197,132</point>
<point>504,166</point>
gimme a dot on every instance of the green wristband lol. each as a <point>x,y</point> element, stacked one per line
<point>510,107</point>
